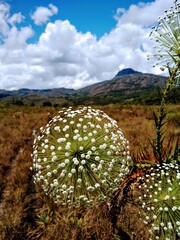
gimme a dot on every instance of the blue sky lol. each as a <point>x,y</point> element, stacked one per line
<point>74,43</point>
<point>95,16</point>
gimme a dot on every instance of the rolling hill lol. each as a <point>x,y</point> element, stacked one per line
<point>126,82</point>
<point>128,86</point>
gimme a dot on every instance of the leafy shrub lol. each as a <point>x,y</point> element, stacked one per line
<point>47,104</point>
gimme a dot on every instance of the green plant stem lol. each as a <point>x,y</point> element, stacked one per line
<point>160,123</point>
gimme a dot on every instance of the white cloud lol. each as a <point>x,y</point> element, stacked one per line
<point>17,38</point>
<point>143,14</point>
<point>16,18</point>
<point>4,15</point>
<point>64,57</point>
<point>43,14</point>
<point>9,33</point>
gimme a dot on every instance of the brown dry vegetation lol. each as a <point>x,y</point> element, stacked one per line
<point>25,213</point>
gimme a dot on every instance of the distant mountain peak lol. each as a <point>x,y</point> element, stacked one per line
<point>126,71</point>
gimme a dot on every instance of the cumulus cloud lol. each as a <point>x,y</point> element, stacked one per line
<point>43,14</point>
<point>64,57</point>
<point>4,15</point>
<point>10,35</point>
<point>142,14</point>
<point>16,18</point>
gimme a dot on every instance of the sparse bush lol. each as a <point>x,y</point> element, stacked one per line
<point>18,102</point>
<point>47,104</point>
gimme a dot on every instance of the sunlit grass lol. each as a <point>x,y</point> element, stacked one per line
<point>26,212</point>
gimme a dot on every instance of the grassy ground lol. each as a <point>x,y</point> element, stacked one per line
<point>25,213</point>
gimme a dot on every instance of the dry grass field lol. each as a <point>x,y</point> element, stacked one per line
<point>25,213</point>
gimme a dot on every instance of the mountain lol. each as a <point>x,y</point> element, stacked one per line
<point>126,71</point>
<point>54,92</point>
<point>127,84</point>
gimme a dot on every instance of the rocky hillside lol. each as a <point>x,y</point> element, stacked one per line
<point>127,81</point>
